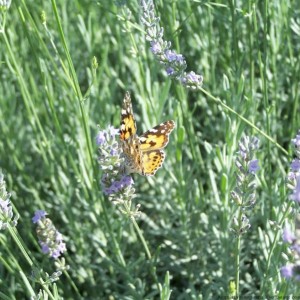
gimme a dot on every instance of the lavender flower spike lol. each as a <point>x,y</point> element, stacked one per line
<point>295,196</point>
<point>294,173</point>
<point>292,270</point>
<point>6,212</point>
<point>50,238</point>
<point>174,63</point>
<point>296,142</point>
<point>244,193</point>
<point>115,183</point>
<point>114,179</point>
<point>4,5</point>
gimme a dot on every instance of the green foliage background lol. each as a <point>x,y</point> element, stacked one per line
<point>51,101</point>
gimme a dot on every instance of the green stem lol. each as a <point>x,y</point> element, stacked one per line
<point>79,96</point>
<point>263,63</point>
<point>75,82</point>
<point>27,98</point>
<point>17,240</point>
<point>45,287</point>
<point>219,101</point>
<point>15,261</point>
<point>144,243</point>
<point>273,245</point>
<point>237,258</point>
<point>73,285</point>
<point>232,6</point>
<point>142,239</point>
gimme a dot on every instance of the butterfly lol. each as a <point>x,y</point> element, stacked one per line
<point>143,154</point>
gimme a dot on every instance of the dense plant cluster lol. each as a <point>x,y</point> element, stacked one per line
<point>220,217</point>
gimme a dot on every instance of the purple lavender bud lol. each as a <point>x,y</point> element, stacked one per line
<point>295,196</point>
<point>38,215</point>
<point>194,78</point>
<point>170,71</point>
<point>288,236</point>
<point>155,47</point>
<point>287,271</point>
<point>296,141</point>
<point>253,166</point>
<point>295,165</point>
<point>100,138</point>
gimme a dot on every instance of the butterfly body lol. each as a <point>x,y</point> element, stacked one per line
<point>143,154</point>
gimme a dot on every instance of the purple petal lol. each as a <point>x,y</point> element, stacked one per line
<point>287,271</point>
<point>155,47</point>
<point>296,193</point>
<point>296,141</point>
<point>4,205</point>
<point>288,236</point>
<point>39,214</point>
<point>100,138</point>
<point>253,166</point>
<point>295,165</point>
